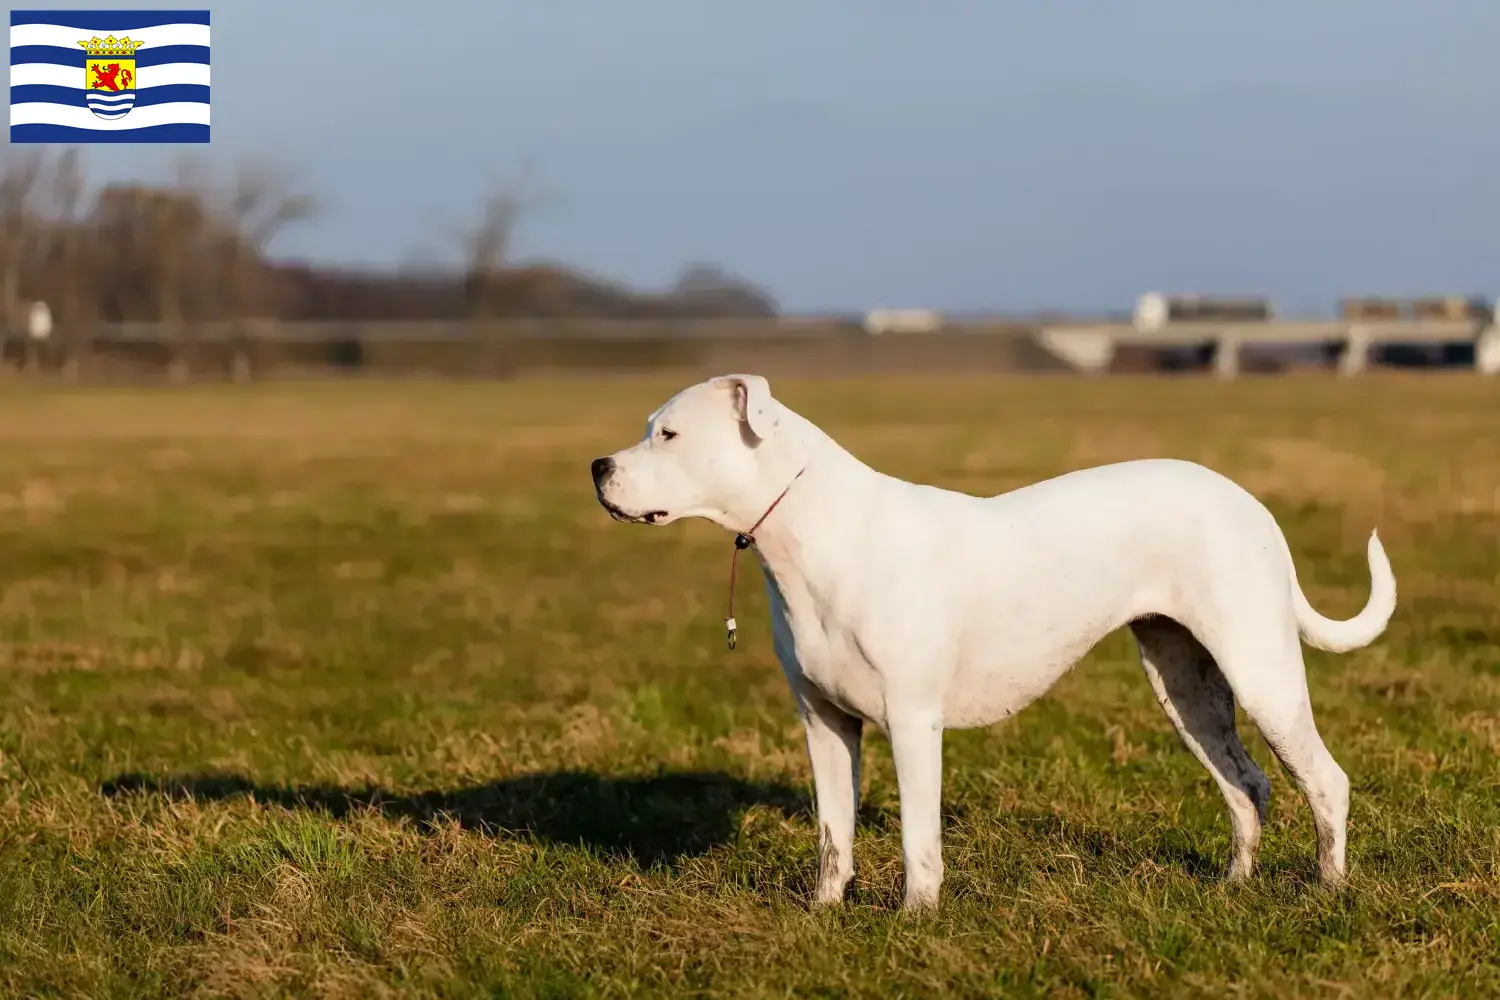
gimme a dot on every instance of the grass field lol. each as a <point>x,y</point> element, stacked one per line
<point>352,690</point>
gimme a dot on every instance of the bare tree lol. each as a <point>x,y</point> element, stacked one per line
<point>261,202</point>
<point>21,187</point>
<point>65,264</point>
<point>41,197</point>
<point>147,238</point>
<point>486,244</point>
<point>487,250</point>
<point>151,245</point>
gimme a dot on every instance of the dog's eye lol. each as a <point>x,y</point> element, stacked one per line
<point>667,435</point>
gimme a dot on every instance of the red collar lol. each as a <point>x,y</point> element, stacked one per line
<point>743,541</point>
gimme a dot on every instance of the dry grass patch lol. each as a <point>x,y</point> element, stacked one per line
<point>348,690</point>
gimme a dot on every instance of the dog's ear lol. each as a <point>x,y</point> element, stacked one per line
<point>752,402</point>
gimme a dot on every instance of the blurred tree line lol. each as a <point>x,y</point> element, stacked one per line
<point>196,250</point>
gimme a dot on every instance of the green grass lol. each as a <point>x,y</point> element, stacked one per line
<point>351,690</point>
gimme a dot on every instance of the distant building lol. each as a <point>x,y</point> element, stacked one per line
<point>1449,308</point>
<point>879,321</point>
<point>1154,310</point>
<point>1369,307</point>
<point>1475,310</point>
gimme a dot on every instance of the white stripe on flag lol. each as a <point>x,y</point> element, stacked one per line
<point>68,38</point>
<point>153,114</point>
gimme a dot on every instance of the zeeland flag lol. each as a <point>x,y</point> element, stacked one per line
<point>108,76</point>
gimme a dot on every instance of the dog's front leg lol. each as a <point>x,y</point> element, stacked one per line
<point>917,745</point>
<point>833,745</point>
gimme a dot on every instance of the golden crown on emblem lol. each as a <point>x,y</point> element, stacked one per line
<point>111,46</point>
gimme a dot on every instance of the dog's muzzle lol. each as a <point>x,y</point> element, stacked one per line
<point>602,469</point>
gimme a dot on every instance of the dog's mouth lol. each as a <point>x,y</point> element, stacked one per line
<point>649,517</point>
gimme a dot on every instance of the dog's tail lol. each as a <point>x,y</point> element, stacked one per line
<point>1365,627</point>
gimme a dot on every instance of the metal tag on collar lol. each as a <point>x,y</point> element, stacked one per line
<point>729,630</point>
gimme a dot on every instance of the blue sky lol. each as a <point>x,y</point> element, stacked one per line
<point>962,155</point>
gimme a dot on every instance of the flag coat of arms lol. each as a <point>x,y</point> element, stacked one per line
<point>109,76</point>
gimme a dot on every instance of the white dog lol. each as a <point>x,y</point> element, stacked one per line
<point>920,609</point>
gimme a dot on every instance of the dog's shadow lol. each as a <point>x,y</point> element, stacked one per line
<point>659,818</point>
<point>655,818</point>
<point>1166,847</point>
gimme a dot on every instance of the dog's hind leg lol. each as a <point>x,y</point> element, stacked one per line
<point>1266,671</point>
<point>1198,700</point>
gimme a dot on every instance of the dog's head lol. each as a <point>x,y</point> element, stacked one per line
<point>704,455</point>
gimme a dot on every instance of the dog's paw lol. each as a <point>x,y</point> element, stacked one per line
<point>830,894</point>
<point>920,904</point>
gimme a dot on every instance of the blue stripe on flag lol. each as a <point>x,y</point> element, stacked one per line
<point>64,133</point>
<point>55,56</point>
<point>170,94</point>
<point>108,20</point>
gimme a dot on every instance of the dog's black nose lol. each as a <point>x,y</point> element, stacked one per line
<point>601,469</point>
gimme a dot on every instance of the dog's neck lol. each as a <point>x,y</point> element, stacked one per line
<point>807,475</point>
<point>798,445</point>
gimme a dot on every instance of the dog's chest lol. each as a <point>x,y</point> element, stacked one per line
<point>816,649</point>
